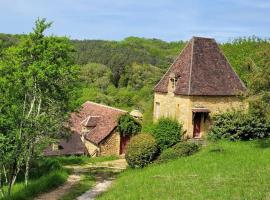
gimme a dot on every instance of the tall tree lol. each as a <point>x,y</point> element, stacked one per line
<point>37,78</point>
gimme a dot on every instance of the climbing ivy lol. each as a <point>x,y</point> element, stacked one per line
<point>128,125</point>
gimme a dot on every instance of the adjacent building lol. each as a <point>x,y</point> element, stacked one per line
<point>94,133</point>
<point>199,83</point>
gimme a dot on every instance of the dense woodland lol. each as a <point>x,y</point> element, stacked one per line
<point>123,73</point>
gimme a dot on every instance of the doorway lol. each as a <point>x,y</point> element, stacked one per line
<point>197,125</point>
<point>124,140</point>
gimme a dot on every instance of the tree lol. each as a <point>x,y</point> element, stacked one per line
<point>259,85</point>
<point>37,78</point>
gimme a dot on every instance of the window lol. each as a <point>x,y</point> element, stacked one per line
<point>157,113</point>
<point>173,82</point>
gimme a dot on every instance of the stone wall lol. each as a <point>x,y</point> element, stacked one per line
<point>180,108</point>
<point>110,145</point>
<point>92,149</point>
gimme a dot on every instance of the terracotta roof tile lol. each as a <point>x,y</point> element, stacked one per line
<point>202,69</point>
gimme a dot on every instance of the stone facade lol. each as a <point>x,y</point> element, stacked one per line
<point>180,107</point>
<point>110,145</point>
<point>92,149</point>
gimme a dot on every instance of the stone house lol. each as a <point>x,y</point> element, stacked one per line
<point>199,83</point>
<point>96,127</point>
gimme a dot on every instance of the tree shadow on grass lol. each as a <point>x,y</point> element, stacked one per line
<point>263,143</point>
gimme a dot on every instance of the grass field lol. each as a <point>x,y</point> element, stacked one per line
<point>226,170</point>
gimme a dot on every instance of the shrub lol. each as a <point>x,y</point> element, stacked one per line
<point>128,125</point>
<point>167,132</point>
<point>238,125</point>
<point>141,150</point>
<point>179,150</point>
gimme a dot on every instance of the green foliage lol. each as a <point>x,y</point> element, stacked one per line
<point>141,150</point>
<point>239,125</point>
<point>167,132</point>
<point>37,79</point>
<point>179,150</point>
<point>35,187</point>
<point>128,125</point>
<point>131,49</point>
<point>259,85</point>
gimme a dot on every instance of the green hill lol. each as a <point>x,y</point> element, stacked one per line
<point>228,170</point>
<point>123,73</point>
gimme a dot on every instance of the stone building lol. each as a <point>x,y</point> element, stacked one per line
<point>199,83</point>
<point>94,132</point>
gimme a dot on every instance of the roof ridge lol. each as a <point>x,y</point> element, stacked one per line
<point>201,37</point>
<point>102,105</point>
<point>190,69</point>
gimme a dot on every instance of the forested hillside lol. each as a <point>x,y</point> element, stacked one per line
<point>123,73</point>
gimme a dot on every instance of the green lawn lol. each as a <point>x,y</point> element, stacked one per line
<point>227,170</point>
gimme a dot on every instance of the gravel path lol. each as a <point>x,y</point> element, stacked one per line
<point>60,191</point>
<point>103,173</point>
<point>103,181</point>
<point>98,189</point>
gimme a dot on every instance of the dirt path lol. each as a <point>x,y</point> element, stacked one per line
<point>103,172</point>
<point>104,180</point>
<point>60,191</point>
<point>95,191</point>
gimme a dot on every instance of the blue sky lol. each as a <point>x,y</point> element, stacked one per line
<point>168,20</point>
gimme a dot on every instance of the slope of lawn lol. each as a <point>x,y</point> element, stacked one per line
<point>226,170</point>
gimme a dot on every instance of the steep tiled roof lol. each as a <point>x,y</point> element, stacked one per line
<point>70,146</point>
<point>106,120</point>
<point>202,69</point>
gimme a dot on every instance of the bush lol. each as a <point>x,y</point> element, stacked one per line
<point>141,150</point>
<point>167,132</point>
<point>179,150</point>
<point>128,125</point>
<point>238,125</point>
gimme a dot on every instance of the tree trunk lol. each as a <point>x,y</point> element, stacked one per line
<point>1,187</point>
<point>5,174</point>
<point>13,177</point>
<point>26,175</point>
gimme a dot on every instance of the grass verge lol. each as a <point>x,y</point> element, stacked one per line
<point>80,160</point>
<point>227,170</point>
<point>35,187</point>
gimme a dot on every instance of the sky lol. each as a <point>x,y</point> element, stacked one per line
<point>169,20</point>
